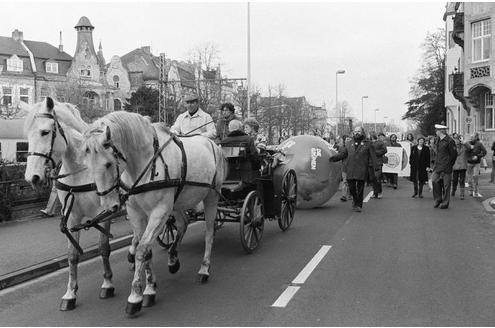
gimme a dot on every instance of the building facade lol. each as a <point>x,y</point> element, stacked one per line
<point>473,83</point>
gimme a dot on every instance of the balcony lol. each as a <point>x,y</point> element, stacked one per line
<point>458,90</point>
<point>458,31</point>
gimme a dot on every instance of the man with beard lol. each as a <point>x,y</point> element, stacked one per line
<point>361,159</point>
<point>442,169</point>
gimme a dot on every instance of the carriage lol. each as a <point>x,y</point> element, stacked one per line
<point>249,196</point>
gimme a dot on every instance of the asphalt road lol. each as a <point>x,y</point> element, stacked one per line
<point>398,263</point>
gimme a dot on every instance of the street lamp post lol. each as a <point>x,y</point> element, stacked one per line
<point>376,110</point>
<point>362,110</point>
<point>340,71</point>
<point>385,124</point>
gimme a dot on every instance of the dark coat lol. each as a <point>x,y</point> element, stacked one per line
<point>419,163</point>
<point>251,151</point>
<point>223,126</point>
<point>361,159</point>
<point>478,150</point>
<point>446,155</point>
<point>380,149</point>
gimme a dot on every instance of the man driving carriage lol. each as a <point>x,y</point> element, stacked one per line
<point>194,120</point>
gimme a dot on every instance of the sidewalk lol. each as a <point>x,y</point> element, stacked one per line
<point>34,247</point>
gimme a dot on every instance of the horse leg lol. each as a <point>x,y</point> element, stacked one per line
<point>107,288</point>
<point>210,204</point>
<point>137,220</point>
<point>143,255</point>
<point>68,302</point>
<point>173,254</point>
<point>149,294</point>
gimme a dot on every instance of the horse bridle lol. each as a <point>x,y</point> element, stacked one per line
<point>56,126</point>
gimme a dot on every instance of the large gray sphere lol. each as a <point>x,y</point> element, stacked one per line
<point>317,179</point>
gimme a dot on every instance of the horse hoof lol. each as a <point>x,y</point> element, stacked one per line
<point>149,300</point>
<point>68,304</point>
<point>203,278</point>
<point>175,267</point>
<point>107,292</point>
<point>133,308</point>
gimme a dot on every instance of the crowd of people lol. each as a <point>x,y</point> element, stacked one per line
<point>443,162</point>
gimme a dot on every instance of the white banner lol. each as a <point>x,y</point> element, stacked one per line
<point>394,163</point>
<point>406,168</point>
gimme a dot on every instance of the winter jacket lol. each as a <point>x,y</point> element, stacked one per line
<point>361,159</point>
<point>446,155</point>
<point>420,162</point>
<point>380,149</point>
<point>461,160</point>
<point>477,150</point>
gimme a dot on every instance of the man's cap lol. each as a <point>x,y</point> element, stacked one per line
<point>440,127</point>
<point>191,98</point>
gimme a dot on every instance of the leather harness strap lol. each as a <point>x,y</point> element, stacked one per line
<point>80,188</point>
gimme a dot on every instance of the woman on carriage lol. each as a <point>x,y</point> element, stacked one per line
<point>251,127</point>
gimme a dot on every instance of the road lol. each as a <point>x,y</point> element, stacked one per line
<point>398,263</point>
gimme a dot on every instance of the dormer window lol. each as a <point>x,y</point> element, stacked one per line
<point>14,64</point>
<point>52,67</point>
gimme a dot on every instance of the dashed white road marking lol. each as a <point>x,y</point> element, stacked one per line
<point>367,198</point>
<point>291,290</point>
<point>286,296</point>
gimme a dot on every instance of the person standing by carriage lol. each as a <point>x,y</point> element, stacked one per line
<point>227,115</point>
<point>194,120</point>
<point>361,160</point>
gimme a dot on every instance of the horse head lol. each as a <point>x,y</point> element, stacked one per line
<point>105,164</point>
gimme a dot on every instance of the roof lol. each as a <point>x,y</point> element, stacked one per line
<point>46,51</point>
<point>9,46</point>
<point>140,60</point>
<point>84,22</point>
<point>12,129</point>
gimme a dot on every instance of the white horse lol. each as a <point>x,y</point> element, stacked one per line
<point>54,133</point>
<point>123,142</point>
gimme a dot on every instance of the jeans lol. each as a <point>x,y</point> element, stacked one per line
<point>458,176</point>
<point>377,182</point>
<point>356,188</point>
<point>473,174</point>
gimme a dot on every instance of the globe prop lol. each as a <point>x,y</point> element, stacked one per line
<point>317,179</point>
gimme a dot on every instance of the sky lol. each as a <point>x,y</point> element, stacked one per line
<point>297,45</point>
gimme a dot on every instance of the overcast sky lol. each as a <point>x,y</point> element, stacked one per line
<point>299,45</point>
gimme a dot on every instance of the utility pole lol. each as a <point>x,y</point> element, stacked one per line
<point>248,60</point>
<point>162,104</point>
<point>362,110</point>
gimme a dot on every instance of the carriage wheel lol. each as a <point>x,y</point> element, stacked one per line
<point>288,200</point>
<point>252,222</point>
<point>167,236</point>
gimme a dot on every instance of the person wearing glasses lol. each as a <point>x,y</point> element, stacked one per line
<point>227,115</point>
<point>194,121</point>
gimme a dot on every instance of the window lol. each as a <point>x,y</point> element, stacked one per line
<point>24,95</point>
<point>14,64</point>
<point>52,67</point>
<point>116,80</point>
<point>481,32</point>
<point>44,92</point>
<point>85,71</point>
<point>489,123</point>
<point>451,40</point>
<point>7,96</point>
<point>21,153</point>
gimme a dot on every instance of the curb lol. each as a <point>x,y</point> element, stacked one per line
<point>487,204</point>
<point>38,270</point>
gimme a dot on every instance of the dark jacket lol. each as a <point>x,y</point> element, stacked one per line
<point>446,155</point>
<point>478,150</point>
<point>251,151</point>
<point>360,159</point>
<point>461,160</point>
<point>223,126</point>
<point>493,149</point>
<point>380,149</point>
<point>420,162</point>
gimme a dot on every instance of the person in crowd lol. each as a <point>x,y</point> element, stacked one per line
<point>460,167</point>
<point>393,177</point>
<point>475,152</point>
<point>420,164</point>
<point>410,139</point>
<point>345,185</point>
<point>251,128</point>
<point>441,177</point>
<point>194,120</point>
<point>492,176</point>
<point>380,150</point>
<point>227,114</point>
<point>360,156</point>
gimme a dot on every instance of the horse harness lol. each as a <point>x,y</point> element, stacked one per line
<point>167,182</point>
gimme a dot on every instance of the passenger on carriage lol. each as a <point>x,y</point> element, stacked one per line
<point>237,135</point>
<point>228,115</point>
<point>194,121</point>
<point>251,127</point>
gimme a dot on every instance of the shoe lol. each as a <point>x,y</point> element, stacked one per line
<point>462,197</point>
<point>395,186</point>
<point>46,213</point>
<point>420,196</point>
<point>436,204</point>
<point>477,194</point>
<point>343,199</point>
<point>414,196</point>
<point>358,209</point>
<point>379,196</point>
<point>444,206</point>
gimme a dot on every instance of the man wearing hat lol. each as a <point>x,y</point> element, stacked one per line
<point>442,169</point>
<point>194,121</point>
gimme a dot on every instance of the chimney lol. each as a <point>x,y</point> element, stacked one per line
<point>60,46</point>
<point>17,35</point>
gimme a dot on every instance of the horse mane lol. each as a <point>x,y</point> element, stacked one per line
<point>128,129</point>
<point>66,113</point>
